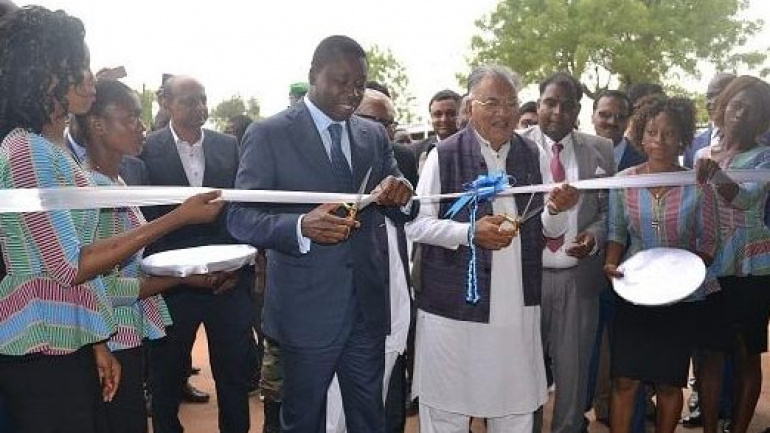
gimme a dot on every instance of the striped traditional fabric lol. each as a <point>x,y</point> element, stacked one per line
<point>745,239</point>
<point>137,319</point>
<point>684,217</point>
<point>41,311</point>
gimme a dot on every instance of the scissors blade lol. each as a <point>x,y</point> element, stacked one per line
<point>536,211</point>
<point>362,189</point>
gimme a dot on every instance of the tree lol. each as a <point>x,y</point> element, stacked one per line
<point>232,107</point>
<point>629,41</point>
<point>147,97</point>
<point>253,108</point>
<point>387,70</point>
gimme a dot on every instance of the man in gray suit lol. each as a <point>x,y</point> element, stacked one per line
<point>185,154</point>
<point>326,300</point>
<point>572,274</point>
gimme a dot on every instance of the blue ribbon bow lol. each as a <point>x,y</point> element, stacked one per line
<point>485,187</point>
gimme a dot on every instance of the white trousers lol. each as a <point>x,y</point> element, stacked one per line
<point>434,420</point>
<point>335,414</point>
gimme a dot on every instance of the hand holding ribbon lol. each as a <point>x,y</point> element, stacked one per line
<point>485,187</point>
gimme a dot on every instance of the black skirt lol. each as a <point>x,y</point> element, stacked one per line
<point>653,344</point>
<point>740,310</point>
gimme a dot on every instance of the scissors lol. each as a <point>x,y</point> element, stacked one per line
<point>516,222</point>
<point>355,207</point>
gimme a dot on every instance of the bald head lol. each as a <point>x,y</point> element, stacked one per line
<point>379,107</point>
<point>185,99</point>
<point>178,84</point>
<point>715,87</point>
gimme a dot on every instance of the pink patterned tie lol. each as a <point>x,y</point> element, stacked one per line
<point>558,175</point>
<point>557,169</point>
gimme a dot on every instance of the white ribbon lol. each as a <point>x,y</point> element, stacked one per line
<point>45,199</point>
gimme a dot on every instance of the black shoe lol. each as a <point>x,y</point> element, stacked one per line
<point>272,417</point>
<point>190,394</point>
<point>693,420</point>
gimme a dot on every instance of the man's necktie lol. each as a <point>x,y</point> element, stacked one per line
<point>558,175</point>
<point>557,169</point>
<point>339,162</point>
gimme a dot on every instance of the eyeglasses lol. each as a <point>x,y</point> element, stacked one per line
<point>494,104</point>
<point>387,123</point>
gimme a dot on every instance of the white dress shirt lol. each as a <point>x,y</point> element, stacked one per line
<point>192,157</point>
<point>559,259</point>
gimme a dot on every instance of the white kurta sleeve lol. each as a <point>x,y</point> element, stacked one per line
<point>428,228</point>
<point>554,225</point>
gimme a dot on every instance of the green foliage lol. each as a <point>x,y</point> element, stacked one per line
<point>232,107</point>
<point>629,41</point>
<point>386,69</point>
<point>146,97</point>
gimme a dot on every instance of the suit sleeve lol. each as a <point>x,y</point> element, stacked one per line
<point>257,224</point>
<point>390,168</point>
<point>599,227</point>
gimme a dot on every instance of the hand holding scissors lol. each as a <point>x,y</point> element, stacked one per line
<point>355,207</point>
<point>323,226</point>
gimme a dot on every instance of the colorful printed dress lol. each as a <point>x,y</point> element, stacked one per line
<point>683,217</point>
<point>41,310</point>
<point>745,239</point>
<point>136,318</point>
<point>740,312</point>
<point>655,343</point>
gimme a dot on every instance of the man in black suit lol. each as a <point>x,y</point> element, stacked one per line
<point>185,154</point>
<point>327,298</point>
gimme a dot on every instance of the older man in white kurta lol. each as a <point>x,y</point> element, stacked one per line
<point>483,360</point>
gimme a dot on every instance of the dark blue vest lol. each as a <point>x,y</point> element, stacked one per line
<point>444,271</point>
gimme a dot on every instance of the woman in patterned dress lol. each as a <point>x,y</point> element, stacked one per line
<point>113,129</point>
<point>735,319</point>
<point>650,344</point>
<point>55,315</point>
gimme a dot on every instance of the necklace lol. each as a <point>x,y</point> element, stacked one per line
<point>657,191</point>
<point>658,194</point>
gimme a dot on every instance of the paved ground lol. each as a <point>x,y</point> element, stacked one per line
<point>202,418</point>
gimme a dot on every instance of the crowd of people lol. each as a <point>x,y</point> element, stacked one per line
<point>355,317</point>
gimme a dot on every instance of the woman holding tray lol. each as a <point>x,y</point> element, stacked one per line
<point>650,344</point>
<point>113,129</point>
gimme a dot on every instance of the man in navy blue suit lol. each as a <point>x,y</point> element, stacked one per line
<point>611,115</point>
<point>327,299</point>
<point>612,112</point>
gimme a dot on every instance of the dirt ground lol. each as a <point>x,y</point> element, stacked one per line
<point>202,418</point>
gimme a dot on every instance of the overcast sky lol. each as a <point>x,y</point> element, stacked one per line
<point>257,47</point>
